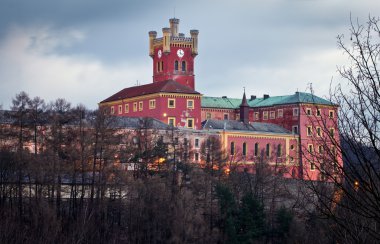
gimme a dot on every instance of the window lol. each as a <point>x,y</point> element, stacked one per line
<point>310,148</point>
<point>190,103</point>
<point>312,166</point>
<point>126,108</point>
<point>171,121</point>
<point>272,114</point>
<point>196,156</point>
<point>152,104</point>
<point>291,159</point>
<point>134,106</point>
<point>309,131</point>
<point>332,132</point>
<point>331,113</point>
<point>257,116</point>
<point>256,149</point>
<point>320,149</point>
<point>318,112</point>
<point>190,123</point>
<point>319,132</point>
<point>308,112</point>
<point>196,142</point>
<point>183,65</point>
<point>112,110</point>
<point>176,65</point>
<point>160,66</point>
<point>292,147</point>
<point>265,115</point>
<point>120,109</point>
<point>267,150</point>
<point>280,113</point>
<point>171,103</point>
<point>208,115</point>
<point>225,116</point>
<point>244,149</point>
<point>140,106</point>
<point>232,148</point>
<point>295,129</point>
<point>279,150</point>
<point>295,111</point>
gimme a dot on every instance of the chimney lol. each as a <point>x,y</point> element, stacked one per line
<point>174,26</point>
<point>224,96</point>
<point>266,96</point>
<point>253,97</point>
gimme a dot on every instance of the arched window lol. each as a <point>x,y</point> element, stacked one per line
<point>244,149</point>
<point>232,148</point>
<point>256,149</point>
<point>183,65</point>
<point>267,150</point>
<point>279,150</point>
<point>176,65</point>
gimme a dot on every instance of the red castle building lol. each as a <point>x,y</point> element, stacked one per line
<point>288,131</point>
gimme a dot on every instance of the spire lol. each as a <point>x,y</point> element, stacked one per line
<point>244,109</point>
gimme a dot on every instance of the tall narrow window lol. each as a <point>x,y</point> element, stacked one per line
<point>183,65</point>
<point>244,149</point>
<point>232,148</point>
<point>176,65</point>
<point>267,150</point>
<point>279,150</point>
<point>256,149</point>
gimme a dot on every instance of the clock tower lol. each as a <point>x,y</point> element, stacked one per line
<point>173,55</point>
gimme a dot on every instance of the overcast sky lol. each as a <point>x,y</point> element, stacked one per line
<point>86,50</point>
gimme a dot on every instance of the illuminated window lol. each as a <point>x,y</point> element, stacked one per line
<point>309,131</point>
<point>152,104</point>
<point>280,113</point>
<point>208,115</point>
<point>190,123</point>
<point>310,148</point>
<point>171,121</point>
<point>295,112</point>
<point>265,115</point>
<point>183,65</point>
<point>332,132</point>
<point>308,111</point>
<point>112,110</point>
<point>267,150</point>
<point>320,149</point>
<point>134,106</point>
<point>257,116</point>
<point>232,148</point>
<point>190,103</point>
<point>331,113</point>
<point>171,103</point>
<point>295,129</point>
<point>256,149</point>
<point>140,106</point>
<point>120,107</point>
<point>272,114</point>
<point>126,108</point>
<point>312,166</point>
<point>225,116</point>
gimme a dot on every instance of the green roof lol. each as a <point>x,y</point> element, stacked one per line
<point>233,103</point>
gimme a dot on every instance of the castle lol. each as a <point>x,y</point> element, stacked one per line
<point>289,132</point>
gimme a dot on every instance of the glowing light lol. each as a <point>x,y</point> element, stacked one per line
<point>165,115</point>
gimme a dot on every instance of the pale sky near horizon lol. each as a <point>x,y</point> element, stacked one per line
<point>85,51</point>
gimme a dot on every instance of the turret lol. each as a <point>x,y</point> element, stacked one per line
<point>152,37</point>
<point>174,26</point>
<point>194,39</point>
<point>166,40</point>
<point>244,110</point>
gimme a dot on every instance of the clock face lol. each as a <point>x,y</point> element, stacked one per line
<point>180,53</point>
<point>159,53</point>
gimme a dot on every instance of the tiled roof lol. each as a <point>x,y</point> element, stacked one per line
<point>233,103</point>
<point>169,86</point>
<point>238,125</point>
